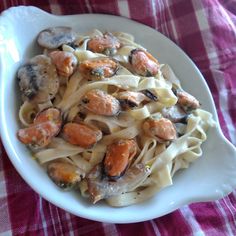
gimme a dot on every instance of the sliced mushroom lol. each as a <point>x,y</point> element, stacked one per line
<point>101,103</point>
<point>143,63</point>
<point>64,174</point>
<point>98,68</point>
<point>180,128</point>
<point>38,79</point>
<point>106,44</point>
<point>118,158</point>
<point>175,114</point>
<point>54,37</point>
<point>101,188</point>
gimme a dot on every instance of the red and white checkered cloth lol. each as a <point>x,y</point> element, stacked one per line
<point>206,31</point>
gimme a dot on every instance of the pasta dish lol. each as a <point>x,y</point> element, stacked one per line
<point>103,117</point>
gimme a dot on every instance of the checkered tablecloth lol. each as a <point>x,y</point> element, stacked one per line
<point>206,31</point>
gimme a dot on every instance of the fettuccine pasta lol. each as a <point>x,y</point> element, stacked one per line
<point>105,118</point>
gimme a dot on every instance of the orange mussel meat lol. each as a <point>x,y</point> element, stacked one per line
<point>98,68</point>
<point>64,174</point>
<point>162,129</point>
<point>81,134</point>
<point>47,124</point>
<point>143,63</point>
<point>101,103</point>
<point>106,44</point>
<point>118,157</point>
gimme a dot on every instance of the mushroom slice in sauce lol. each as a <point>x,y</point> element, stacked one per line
<point>38,79</point>
<point>106,44</point>
<point>100,187</point>
<point>54,37</point>
<point>180,128</point>
<point>64,174</point>
<point>101,103</point>
<point>175,114</point>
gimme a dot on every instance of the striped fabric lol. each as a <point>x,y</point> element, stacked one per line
<point>206,31</point>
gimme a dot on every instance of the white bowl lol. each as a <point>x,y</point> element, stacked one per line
<point>211,177</point>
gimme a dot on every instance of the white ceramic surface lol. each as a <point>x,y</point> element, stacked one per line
<point>211,177</point>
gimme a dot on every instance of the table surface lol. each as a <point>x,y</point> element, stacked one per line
<point>209,23</point>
